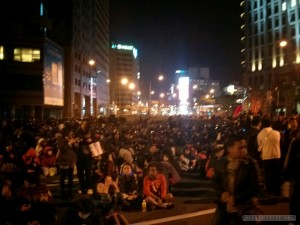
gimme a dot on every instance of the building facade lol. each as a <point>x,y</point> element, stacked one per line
<point>82,28</point>
<point>271,51</point>
<point>124,78</point>
<point>31,65</point>
<point>46,54</point>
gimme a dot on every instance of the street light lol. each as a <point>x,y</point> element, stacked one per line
<point>283,43</point>
<point>151,92</point>
<point>92,63</point>
<point>125,83</point>
<point>131,86</point>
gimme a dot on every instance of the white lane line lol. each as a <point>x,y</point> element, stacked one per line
<point>179,217</point>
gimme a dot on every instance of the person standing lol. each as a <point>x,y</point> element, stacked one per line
<point>85,160</point>
<point>292,167</point>
<point>268,141</point>
<point>251,137</point>
<point>66,160</point>
<point>236,184</point>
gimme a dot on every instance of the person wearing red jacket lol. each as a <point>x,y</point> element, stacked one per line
<point>155,189</point>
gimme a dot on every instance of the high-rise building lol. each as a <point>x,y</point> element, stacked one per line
<point>54,58</point>
<point>31,65</point>
<point>271,50</point>
<point>124,77</point>
<point>82,28</point>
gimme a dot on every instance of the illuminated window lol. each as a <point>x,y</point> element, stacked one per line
<point>293,3</point>
<point>27,55</point>
<point>1,52</point>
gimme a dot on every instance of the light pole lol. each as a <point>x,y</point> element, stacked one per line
<point>151,92</point>
<point>125,83</point>
<point>92,64</point>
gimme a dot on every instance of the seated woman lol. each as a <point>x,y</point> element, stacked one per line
<point>105,202</point>
<point>129,189</point>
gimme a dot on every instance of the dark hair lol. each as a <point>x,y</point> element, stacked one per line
<point>122,166</point>
<point>152,164</point>
<point>255,121</point>
<point>266,122</point>
<point>233,139</point>
<point>85,205</point>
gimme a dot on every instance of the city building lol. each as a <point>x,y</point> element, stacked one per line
<point>54,59</point>
<point>82,29</point>
<point>198,72</point>
<point>271,51</point>
<point>31,65</point>
<point>124,78</point>
<point>193,91</point>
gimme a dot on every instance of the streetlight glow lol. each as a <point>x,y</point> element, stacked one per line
<point>212,91</point>
<point>161,77</point>
<point>92,62</point>
<point>162,95</point>
<point>283,44</point>
<point>131,86</point>
<point>124,81</point>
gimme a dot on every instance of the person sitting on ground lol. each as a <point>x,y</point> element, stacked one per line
<point>155,189</point>
<point>129,189</point>
<point>213,159</point>
<point>187,160</point>
<point>84,212</point>
<point>107,203</point>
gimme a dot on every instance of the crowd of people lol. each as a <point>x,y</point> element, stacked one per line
<point>141,160</point>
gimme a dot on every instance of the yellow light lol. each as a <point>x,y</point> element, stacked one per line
<point>161,77</point>
<point>124,81</point>
<point>131,86</point>
<point>283,44</point>
<point>92,62</point>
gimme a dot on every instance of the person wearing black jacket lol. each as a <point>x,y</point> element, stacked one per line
<point>85,160</point>
<point>236,184</point>
<point>292,167</point>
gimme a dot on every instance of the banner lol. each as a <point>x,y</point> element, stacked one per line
<point>53,74</point>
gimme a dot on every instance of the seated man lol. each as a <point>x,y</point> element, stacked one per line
<point>155,189</point>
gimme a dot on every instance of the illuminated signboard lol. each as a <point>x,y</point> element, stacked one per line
<point>53,75</point>
<point>126,47</point>
<point>183,86</point>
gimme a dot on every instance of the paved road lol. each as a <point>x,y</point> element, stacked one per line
<point>194,200</point>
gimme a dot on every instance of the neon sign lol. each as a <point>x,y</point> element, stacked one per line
<point>126,47</point>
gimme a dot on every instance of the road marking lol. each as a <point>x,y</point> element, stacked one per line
<point>179,217</point>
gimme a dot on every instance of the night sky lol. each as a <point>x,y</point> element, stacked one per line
<point>177,34</point>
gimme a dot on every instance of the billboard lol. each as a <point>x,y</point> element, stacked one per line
<point>183,86</point>
<point>53,74</point>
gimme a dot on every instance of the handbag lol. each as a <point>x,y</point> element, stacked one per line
<point>210,172</point>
